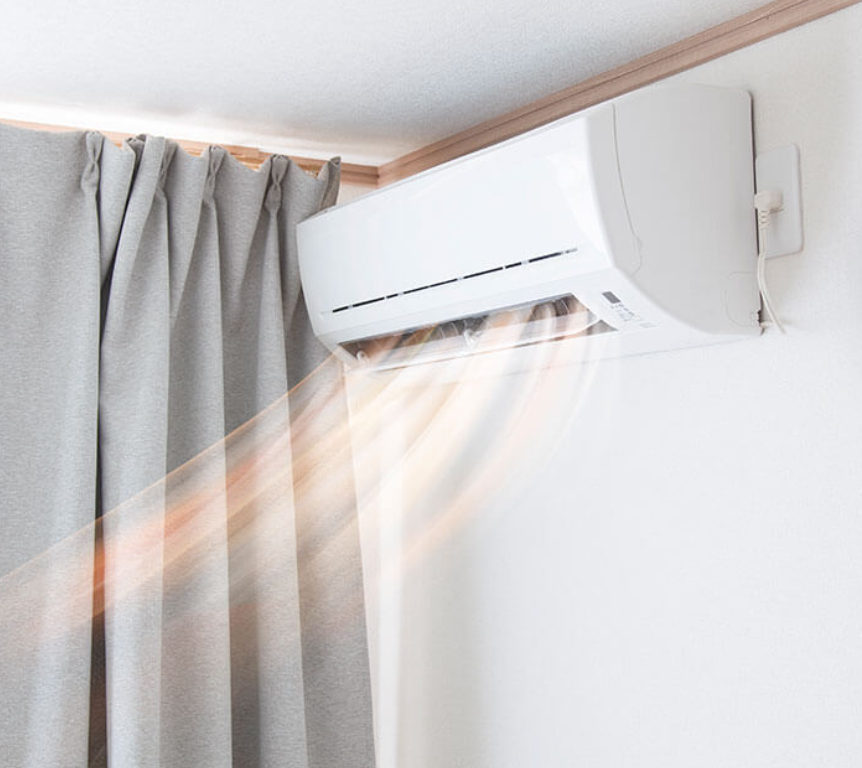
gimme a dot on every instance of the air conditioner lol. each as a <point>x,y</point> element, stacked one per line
<point>631,221</point>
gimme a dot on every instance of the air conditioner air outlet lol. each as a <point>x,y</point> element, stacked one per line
<point>553,318</point>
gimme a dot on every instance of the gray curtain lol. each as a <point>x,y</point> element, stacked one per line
<point>180,579</point>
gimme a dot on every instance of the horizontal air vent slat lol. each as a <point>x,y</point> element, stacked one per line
<point>451,280</point>
<point>553,318</point>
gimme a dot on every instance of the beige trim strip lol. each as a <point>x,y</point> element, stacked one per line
<point>351,173</point>
<point>766,21</point>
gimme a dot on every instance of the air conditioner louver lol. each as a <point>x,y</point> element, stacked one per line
<point>555,318</point>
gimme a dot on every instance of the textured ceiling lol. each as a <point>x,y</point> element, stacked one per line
<point>369,79</point>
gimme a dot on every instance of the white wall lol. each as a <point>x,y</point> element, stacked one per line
<point>669,573</point>
<point>348,192</point>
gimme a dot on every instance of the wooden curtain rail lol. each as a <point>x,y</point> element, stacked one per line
<point>351,173</point>
<point>749,28</point>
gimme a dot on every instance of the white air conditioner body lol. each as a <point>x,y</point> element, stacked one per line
<point>634,216</point>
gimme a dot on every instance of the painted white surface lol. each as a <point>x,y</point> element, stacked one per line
<point>348,192</point>
<point>674,578</point>
<point>366,80</point>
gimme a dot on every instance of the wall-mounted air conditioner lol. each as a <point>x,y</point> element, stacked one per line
<point>631,220</point>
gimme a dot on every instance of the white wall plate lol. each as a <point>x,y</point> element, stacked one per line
<point>779,169</point>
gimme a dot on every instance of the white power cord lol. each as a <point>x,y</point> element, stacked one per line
<point>766,203</point>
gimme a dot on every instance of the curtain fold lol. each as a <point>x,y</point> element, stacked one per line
<point>152,325</point>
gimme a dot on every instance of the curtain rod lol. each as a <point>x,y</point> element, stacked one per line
<point>252,157</point>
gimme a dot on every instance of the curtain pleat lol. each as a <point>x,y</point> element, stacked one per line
<point>152,325</point>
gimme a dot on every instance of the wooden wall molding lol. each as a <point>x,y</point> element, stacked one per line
<point>351,173</point>
<point>759,24</point>
<point>768,20</point>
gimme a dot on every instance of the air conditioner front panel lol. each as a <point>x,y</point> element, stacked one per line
<point>638,210</point>
<point>509,209</point>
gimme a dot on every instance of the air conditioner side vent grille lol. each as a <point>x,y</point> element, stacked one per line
<point>451,280</point>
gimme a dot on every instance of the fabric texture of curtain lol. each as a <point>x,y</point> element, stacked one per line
<point>180,578</point>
